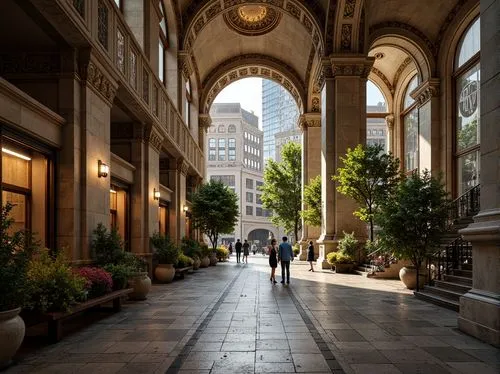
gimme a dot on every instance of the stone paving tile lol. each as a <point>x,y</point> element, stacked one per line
<point>160,347</point>
<point>274,344</point>
<point>275,367</point>
<point>101,368</point>
<point>127,347</point>
<point>310,363</point>
<point>209,347</point>
<point>417,368</point>
<point>273,356</point>
<point>472,367</point>
<point>139,368</point>
<point>375,369</point>
<point>408,355</point>
<point>238,346</point>
<point>450,354</point>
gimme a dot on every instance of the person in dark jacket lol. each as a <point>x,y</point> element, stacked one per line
<point>237,247</point>
<point>310,255</point>
<point>273,260</point>
<point>285,255</point>
<point>246,251</point>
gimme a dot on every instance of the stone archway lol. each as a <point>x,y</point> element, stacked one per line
<point>258,233</point>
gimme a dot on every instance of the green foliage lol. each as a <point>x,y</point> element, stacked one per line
<point>190,247</point>
<point>312,199</point>
<point>52,284</point>
<point>368,176</point>
<point>296,249</point>
<point>348,245</point>
<point>120,274</point>
<point>414,218</point>
<point>165,251</point>
<point>222,253</point>
<point>183,261</point>
<point>16,250</point>
<point>467,135</point>
<point>282,189</point>
<point>106,246</point>
<point>214,210</point>
<point>134,262</point>
<point>338,257</point>
<point>205,250</point>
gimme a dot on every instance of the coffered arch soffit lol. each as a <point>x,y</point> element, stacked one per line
<point>347,25</point>
<point>251,65</point>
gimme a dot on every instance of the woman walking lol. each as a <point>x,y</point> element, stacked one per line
<point>310,255</point>
<point>273,260</point>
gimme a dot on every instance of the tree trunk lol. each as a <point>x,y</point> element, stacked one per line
<point>371,228</point>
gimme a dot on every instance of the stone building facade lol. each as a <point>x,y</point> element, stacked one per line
<point>117,93</point>
<point>235,157</point>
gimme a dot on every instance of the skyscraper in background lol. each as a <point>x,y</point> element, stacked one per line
<point>279,115</point>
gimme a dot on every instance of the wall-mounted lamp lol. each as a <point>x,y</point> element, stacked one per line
<point>156,194</point>
<point>102,169</point>
<point>185,208</point>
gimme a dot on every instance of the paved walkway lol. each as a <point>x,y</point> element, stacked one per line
<point>230,319</point>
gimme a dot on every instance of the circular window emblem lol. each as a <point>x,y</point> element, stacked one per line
<point>468,99</point>
<point>252,20</point>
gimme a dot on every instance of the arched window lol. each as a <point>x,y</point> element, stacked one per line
<point>411,127</point>
<point>162,43</point>
<point>467,117</point>
<point>221,128</point>
<point>231,128</point>
<point>188,104</point>
<point>376,111</point>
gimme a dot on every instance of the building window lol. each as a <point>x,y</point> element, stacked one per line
<point>258,185</point>
<point>258,212</point>
<point>231,128</point>
<point>257,199</point>
<point>133,70</point>
<point>120,50</point>
<point>118,209</point>
<point>222,154</point>
<point>211,154</point>
<point>211,143</point>
<point>119,4</point>
<point>164,213</point>
<point>221,129</point>
<point>212,129</point>
<point>231,156</point>
<point>468,116</point>
<point>145,86</point>
<point>187,114</point>
<point>249,210</point>
<point>411,128</point>
<point>163,43</point>
<point>80,7</point>
<point>249,197</point>
<point>228,180</point>
<point>249,183</point>
<point>26,181</point>
<point>232,143</point>
<point>222,143</point>
<point>102,23</point>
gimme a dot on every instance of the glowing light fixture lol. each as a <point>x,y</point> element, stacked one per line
<point>185,208</point>
<point>156,194</point>
<point>102,169</point>
<point>12,153</point>
<point>112,191</point>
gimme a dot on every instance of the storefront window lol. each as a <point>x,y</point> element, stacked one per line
<point>411,128</point>
<point>26,184</point>
<point>468,119</point>
<point>118,209</point>
<point>164,216</point>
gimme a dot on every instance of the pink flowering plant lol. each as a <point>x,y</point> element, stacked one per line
<point>98,281</point>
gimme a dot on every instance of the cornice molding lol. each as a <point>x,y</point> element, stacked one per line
<point>426,91</point>
<point>93,76</point>
<point>185,63</point>
<point>204,121</point>
<point>182,166</point>
<point>359,66</point>
<point>307,120</point>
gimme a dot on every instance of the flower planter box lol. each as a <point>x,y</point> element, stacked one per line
<point>55,319</point>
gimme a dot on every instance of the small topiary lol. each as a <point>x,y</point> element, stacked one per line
<point>165,251</point>
<point>184,261</point>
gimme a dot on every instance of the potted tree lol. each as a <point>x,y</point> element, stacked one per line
<point>167,254</point>
<point>412,221</point>
<point>205,255</point>
<point>191,248</point>
<point>343,259</point>
<point>16,250</point>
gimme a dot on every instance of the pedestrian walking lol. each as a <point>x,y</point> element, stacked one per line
<point>246,251</point>
<point>230,249</point>
<point>237,246</point>
<point>310,255</point>
<point>285,255</point>
<point>273,260</point>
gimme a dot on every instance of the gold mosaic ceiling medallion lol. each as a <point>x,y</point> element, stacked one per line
<point>251,20</point>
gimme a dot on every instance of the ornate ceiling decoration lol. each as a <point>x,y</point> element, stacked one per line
<point>252,20</point>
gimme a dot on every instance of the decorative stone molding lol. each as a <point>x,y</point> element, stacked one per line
<point>389,121</point>
<point>349,8</point>
<point>346,37</point>
<point>315,104</point>
<point>155,139</point>
<point>382,76</point>
<point>29,63</point>
<point>182,166</point>
<point>92,75</point>
<point>185,64</point>
<point>252,20</point>
<point>407,61</point>
<point>204,121</point>
<point>426,91</point>
<point>324,72</point>
<point>351,66</point>
<point>307,120</point>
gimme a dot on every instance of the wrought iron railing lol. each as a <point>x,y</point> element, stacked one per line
<point>454,256</point>
<point>466,205</point>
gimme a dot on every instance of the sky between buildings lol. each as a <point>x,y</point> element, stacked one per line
<point>248,92</point>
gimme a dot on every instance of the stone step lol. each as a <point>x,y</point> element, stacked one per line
<point>361,272</point>
<point>438,300</point>
<point>458,279</point>
<point>456,287</point>
<point>443,293</point>
<point>462,273</point>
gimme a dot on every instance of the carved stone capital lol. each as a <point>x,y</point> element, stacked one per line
<point>182,166</point>
<point>324,71</point>
<point>426,91</point>
<point>94,77</point>
<point>307,120</point>
<point>149,134</point>
<point>351,66</point>
<point>389,121</point>
<point>204,121</point>
<point>185,64</point>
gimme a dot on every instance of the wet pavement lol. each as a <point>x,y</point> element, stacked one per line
<point>231,319</point>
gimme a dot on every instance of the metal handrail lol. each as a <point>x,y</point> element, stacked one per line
<point>466,205</point>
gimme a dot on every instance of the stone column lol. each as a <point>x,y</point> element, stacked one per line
<point>480,307</point>
<point>343,126</point>
<point>180,193</point>
<point>427,97</point>
<point>145,150</point>
<point>82,194</point>
<point>389,121</point>
<point>310,124</point>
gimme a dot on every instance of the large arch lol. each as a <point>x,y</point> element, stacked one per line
<point>247,66</point>
<point>247,229</point>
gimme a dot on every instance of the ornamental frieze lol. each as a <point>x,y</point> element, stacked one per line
<point>307,120</point>
<point>96,79</point>
<point>426,91</point>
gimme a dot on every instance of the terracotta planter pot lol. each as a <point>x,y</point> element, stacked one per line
<point>408,276</point>
<point>196,264</point>
<point>213,259</point>
<point>165,273</point>
<point>141,284</point>
<point>12,330</point>
<point>205,262</point>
